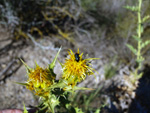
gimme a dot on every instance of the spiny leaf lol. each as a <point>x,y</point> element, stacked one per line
<point>132,8</point>
<point>74,88</point>
<point>27,67</point>
<point>60,63</point>
<point>145,43</point>
<point>24,84</point>
<point>52,65</point>
<point>132,48</point>
<point>61,84</point>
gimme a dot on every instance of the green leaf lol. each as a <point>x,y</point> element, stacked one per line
<point>136,38</point>
<point>27,67</point>
<point>24,84</point>
<point>145,43</point>
<point>25,110</point>
<point>142,29</point>
<point>61,84</point>
<point>72,89</point>
<point>110,71</point>
<point>60,64</point>
<point>82,88</point>
<point>132,48</point>
<point>52,65</point>
<point>140,60</point>
<point>53,101</point>
<point>132,8</point>
<point>145,18</point>
<point>78,110</point>
<point>140,75</point>
<point>97,110</point>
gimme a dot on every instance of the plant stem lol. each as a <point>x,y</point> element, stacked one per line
<point>139,35</point>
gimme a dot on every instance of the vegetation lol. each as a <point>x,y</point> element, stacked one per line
<point>71,20</point>
<point>56,93</point>
<point>48,17</point>
<point>138,38</point>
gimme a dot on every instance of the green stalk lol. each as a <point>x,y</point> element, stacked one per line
<point>139,35</point>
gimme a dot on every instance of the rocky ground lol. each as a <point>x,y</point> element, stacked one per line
<point>119,93</point>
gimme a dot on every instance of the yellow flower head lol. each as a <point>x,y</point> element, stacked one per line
<point>76,68</point>
<point>39,80</point>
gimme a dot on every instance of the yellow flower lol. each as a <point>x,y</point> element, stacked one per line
<point>76,68</point>
<point>39,80</point>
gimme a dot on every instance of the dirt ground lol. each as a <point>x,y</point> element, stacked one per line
<point>116,91</point>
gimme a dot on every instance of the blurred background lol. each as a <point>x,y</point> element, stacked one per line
<point>34,30</point>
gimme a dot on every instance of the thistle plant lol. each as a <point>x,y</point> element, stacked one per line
<point>76,68</point>
<point>42,81</point>
<point>138,38</point>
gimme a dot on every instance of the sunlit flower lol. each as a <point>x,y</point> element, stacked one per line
<point>76,68</point>
<point>39,80</point>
